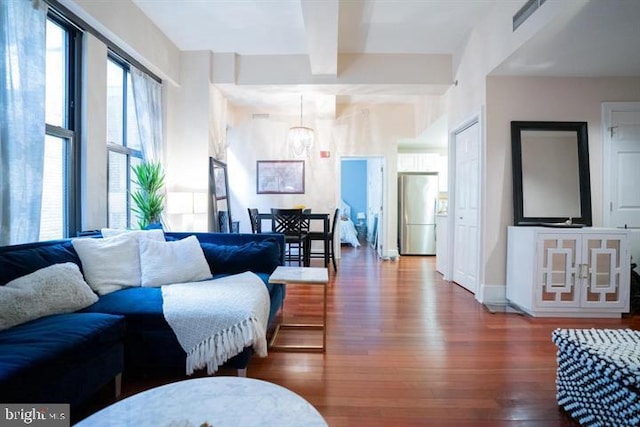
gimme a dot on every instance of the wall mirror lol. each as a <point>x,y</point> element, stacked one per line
<point>551,182</point>
<point>220,219</point>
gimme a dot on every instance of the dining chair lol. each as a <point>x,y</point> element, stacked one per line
<point>289,222</point>
<point>223,222</point>
<point>319,236</point>
<point>306,222</point>
<point>254,219</point>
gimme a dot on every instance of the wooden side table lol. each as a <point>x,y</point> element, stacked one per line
<point>318,276</point>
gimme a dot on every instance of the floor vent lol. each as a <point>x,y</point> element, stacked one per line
<point>526,11</point>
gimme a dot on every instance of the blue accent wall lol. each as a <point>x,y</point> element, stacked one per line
<point>354,186</point>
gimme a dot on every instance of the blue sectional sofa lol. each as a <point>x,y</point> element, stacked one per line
<point>61,358</point>
<point>67,357</point>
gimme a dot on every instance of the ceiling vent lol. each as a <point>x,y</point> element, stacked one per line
<point>526,11</point>
<point>260,116</point>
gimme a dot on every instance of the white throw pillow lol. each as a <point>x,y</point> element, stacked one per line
<point>56,289</point>
<point>155,234</point>
<point>179,261</point>
<point>110,263</point>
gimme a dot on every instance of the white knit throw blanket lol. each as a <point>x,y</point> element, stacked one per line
<point>216,319</point>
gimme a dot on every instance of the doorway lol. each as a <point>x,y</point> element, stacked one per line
<point>362,201</point>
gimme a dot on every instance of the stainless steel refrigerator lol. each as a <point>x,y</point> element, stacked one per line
<point>417,203</point>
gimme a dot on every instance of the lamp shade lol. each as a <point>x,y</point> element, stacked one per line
<point>300,137</point>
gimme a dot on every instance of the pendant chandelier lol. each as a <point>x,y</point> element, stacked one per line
<point>300,138</point>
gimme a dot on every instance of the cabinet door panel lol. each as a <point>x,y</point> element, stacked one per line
<point>556,286</point>
<point>603,272</point>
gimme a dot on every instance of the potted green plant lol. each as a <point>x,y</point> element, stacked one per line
<point>148,197</point>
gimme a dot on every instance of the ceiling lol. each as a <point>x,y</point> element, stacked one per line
<point>323,30</point>
<point>277,27</point>
<point>600,39</point>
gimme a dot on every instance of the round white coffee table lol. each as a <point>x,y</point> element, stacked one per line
<point>218,401</point>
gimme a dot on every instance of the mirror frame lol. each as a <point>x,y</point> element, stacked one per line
<point>214,198</point>
<point>583,173</point>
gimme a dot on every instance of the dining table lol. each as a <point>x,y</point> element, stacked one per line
<point>312,217</point>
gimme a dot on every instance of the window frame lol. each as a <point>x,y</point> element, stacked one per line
<point>123,149</point>
<point>72,132</point>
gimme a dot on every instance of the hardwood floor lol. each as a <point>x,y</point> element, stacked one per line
<point>406,348</point>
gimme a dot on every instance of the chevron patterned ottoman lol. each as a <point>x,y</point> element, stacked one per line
<point>598,377</point>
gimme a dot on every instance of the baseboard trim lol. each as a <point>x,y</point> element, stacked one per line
<point>492,294</point>
<point>391,254</point>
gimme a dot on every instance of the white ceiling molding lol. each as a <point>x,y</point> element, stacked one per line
<point>355,69</point>
<point>321,28</point>
<point>380,50</point>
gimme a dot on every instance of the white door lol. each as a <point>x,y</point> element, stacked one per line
<point>622,164</point>
<point>466,206</point>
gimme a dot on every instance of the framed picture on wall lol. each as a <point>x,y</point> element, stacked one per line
<point>280,177</point>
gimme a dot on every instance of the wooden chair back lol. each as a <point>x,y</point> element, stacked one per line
<point>256,226</point>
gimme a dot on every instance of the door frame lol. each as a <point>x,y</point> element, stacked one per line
<point>607,107</point>
<point>382,234</point>
<point>475,118</point>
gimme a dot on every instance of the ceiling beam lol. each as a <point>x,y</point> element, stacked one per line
<point>321,27</point>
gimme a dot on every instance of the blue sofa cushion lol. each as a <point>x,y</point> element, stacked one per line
<point>259,257</point>
<point>19,261</point>
<point>41,349</point>
<point>142,306</point>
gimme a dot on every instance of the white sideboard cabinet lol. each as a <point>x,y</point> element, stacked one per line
<point>569,272</point>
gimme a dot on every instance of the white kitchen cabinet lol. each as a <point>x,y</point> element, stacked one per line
<point>569,272</point>
<point>407,162</point>
<point>419,162</point>
<point>425,162</point>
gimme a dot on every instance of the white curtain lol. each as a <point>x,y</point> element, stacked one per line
<point>147,97</point>
<point>22,118</point>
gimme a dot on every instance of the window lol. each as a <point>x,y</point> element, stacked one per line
<point>59,204</point>
<point>123,143</point>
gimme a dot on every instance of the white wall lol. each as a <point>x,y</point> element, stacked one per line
<point>490,43</point>
<point>124,24</point>
<point>539,99</point>
<point>358,131</point>
<point>187,136</point>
